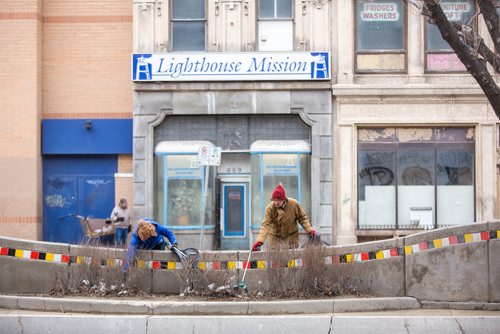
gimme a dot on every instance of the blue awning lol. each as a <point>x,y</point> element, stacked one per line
<point>87,136</point>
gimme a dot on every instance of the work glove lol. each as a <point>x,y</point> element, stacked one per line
<point>175,244</point>
<point>314,238</point>
<point>256,246</point>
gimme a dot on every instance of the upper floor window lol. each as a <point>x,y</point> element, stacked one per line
<point>275,25</point>
<point>380,36</point>
<point>188,25</point>
<point>439,54</point>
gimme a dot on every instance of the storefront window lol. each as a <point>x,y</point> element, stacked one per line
<point>376,188</point>
<point>455,186</point>
<point>380,35</point>
<point>273,164</point>
<point>415,199</point>
<point>440,56</point>
<point>180,188</point>
<point>415,178</point>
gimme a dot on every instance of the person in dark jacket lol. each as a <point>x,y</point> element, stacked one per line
<point>148,235</point>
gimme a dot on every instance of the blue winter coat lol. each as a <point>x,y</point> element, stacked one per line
<point>150,243</point>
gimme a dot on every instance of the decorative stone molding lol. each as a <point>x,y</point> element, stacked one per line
<point>319,3</point>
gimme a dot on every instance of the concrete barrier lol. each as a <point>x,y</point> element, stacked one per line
<point>457,272</point>
<point>457,264</point>
<point>494,263</point>
<point>26,276</point>
<point>379,277</point>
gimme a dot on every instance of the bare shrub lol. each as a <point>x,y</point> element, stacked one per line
<point>280,278</point>
<point>311,277</point>
<point>320,278</point>
<point>98,272</point>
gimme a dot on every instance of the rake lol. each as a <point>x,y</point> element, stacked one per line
<point>242,285</point>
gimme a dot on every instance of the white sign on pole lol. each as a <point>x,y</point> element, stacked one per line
<point>209,156</point>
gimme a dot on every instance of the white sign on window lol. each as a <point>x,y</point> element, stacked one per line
<point>282,164</point>
<point>421,217</point>
<point>376,11</point>
<point>183,167</point>
<point>455,10</point>
<point>231,66</point>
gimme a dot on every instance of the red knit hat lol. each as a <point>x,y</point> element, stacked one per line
<point>279,192</point>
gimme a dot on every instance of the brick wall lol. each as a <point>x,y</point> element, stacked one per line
<point>20,110</point>
<point>60,59</point>
<point>87,47</point>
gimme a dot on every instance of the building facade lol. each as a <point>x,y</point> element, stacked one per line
<point>66,146</point>
<point>387,136</point>
<point>401,137</point>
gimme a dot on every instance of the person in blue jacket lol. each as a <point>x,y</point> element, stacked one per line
<point>148,235</point>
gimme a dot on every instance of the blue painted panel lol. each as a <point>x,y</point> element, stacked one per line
<point>82,185</point>
<point>59,200</point>
<point>87,136</point>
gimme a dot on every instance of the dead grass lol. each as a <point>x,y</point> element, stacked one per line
<point>313,278</point>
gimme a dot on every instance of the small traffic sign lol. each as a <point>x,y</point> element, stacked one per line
<point>209,156</point>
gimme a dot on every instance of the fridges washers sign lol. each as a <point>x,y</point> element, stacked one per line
<point>377,11</point>
<point>231,66</point>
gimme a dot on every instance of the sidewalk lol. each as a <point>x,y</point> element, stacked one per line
<point>23,314</point>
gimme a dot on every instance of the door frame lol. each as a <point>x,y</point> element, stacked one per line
<point>236,180</point>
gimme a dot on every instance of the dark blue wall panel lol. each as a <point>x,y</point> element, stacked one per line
<point>87,136</point>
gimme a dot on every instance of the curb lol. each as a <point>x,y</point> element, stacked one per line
<point>100,306</point>
<point>461,306</point>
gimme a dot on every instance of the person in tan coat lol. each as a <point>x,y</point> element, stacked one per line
<point>280,221</point>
